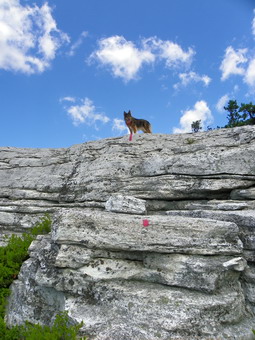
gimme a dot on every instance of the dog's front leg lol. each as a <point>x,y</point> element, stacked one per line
<point>131,135</point>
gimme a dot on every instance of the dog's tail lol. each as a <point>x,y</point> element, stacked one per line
<point>147,127</point>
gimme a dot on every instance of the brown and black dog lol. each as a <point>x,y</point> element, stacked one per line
<point>135,124</point>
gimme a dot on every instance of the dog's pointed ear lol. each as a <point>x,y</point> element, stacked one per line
<point>124,112</point>
<point>129,111</point>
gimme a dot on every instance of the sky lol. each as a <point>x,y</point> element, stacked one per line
<point>69,69</point>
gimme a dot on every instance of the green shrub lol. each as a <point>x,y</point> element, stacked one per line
<point>61,330</point>
<point>16,252</point>
<point>11,258</point>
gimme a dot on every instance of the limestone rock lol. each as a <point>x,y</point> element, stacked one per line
<point>237,264</point>
<point>243,194</point>
<point>146,296</point>
<point>151,239</point>
<point>165,234</point>
<point>245,220</point>
<point>126,204</point>
<point>150,167</point>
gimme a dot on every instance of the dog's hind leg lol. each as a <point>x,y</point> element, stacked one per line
<point>147,129</point>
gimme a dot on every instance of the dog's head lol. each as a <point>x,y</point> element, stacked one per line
<point>127,115</point>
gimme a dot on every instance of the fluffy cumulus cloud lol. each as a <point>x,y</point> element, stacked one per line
<point>232,62</point>
<point>192,77</point>
<point>222,102</point>
<point>29,37</point>
<point>172,53</point>
<point>231,65</point>
<point>125,59</point>
<point>122,56</point>
<point>200,111</point>
<point>83,112</point>
<point>240,62</point>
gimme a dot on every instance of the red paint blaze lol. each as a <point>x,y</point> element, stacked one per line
<point>145,223</point>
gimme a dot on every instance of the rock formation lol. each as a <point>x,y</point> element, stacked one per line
<point>151,239</point>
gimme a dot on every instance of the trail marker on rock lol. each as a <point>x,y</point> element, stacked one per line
<point>146,223</point>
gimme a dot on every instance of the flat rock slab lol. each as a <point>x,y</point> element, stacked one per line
<point>152,166</point>
<point>164,234</point>
<point>196,272</point>
<point>244,219</point>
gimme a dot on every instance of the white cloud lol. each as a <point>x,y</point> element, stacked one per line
<point>231,66</point>
<point>222,102</point>
<point>240,62</point>
<point>85,112</point>
<point>200,111</point>
<point>189,77</point>
<point>29,37</point>
<point>250,74</point>
<point>67,99</point>
<point>124,59</point>
<point>171,52</point>
<point>77,44</point>
<point>119,125</point>
<point>231,62</point>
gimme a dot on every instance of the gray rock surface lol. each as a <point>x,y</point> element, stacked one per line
<point>151,239</point>
<point>126,204</point>
<point>246,194</point>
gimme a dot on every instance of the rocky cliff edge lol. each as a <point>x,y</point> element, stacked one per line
<point>151,239</point>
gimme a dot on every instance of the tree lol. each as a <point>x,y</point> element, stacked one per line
<point>196,126</point>
<point>233,116</point>
<point>240,115</point>
<point>248,111</point>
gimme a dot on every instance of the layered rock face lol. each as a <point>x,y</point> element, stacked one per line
<point>151,239</point>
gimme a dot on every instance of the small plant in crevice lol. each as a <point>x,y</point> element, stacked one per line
<point>190,140</point>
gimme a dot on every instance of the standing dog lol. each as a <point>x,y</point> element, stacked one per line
<point>135,124</point>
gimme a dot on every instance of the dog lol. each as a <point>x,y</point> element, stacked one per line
<point>135,124</point>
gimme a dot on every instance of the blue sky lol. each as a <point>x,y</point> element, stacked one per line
<point>68,69</point>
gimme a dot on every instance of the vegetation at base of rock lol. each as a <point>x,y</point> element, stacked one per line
<point>60,330</point>
<point>11,258</point>
<point>16,252</point>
